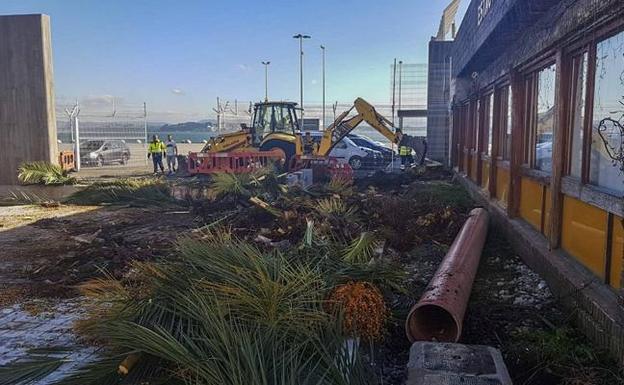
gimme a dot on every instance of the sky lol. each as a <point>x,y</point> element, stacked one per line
<point>178,56</point>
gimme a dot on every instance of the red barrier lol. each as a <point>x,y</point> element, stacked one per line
<point>322,167</point>
<point>232,162</point>
<point>66,160</point>
<point>339,170</point>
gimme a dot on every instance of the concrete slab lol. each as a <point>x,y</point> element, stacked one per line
<point>433,363</point>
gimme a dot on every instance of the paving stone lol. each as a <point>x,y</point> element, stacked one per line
<point>433,363</point>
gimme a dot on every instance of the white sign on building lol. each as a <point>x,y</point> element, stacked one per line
<point>483,10</point>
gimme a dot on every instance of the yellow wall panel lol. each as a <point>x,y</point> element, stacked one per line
<point>531,202</point>
<point>547,206</point>
<point>473,163</point>
<point>584,234</point>
<point>502,185</point>
<point>485,174</point>
<point>617,252</point>
<point>467,167</point>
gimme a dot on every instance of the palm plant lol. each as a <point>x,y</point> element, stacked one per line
<point>227,184</point>
<point>43,173</point>
<point>335,207</point>
<point>222,312</point>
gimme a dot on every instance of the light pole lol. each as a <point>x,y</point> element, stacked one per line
<point>266,80</point>
<point>323,54</point>
<point>393,88</point>
<point>400,80</point>
<point>301,37</point>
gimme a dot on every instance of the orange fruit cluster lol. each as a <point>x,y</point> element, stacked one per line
<point>363,309</point>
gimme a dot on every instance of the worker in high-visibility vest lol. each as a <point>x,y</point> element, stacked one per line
<point>405,153</point>
<point>156,150</point>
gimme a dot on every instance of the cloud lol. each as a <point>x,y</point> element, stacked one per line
<point>314,81</point>
<point>243,67</point>
<point>177,91</point>
<point>100,100</point>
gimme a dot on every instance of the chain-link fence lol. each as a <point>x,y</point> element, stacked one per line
<point>110,135</point>
<point>113,134</point>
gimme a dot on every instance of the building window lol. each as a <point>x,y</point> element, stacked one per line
<point>503,118</point>
<point>475,125</point>
<point>608,115</point>
<point>545,119</point>
<point>577,119</point>
<point>507,136</point>
<point>489,121</point>
<point>485,123</point>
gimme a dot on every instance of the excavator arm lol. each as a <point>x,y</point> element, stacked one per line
<point>343,126</point>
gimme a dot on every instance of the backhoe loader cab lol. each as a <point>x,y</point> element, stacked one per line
<point>274,117</point>
<point>276,127</point>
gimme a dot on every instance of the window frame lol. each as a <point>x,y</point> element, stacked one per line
<point>529,114</point>
<point>588,45</point>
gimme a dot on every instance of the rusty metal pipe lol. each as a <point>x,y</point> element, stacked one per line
<point>440,312</point>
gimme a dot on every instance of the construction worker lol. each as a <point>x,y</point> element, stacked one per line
<point>405,153</point>
<point>156,150</point>
<point>172,153</point>
<point>308,143</point>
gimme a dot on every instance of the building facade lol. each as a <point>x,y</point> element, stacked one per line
<point>535,116</point>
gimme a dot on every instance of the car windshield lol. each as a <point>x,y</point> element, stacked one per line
<point>360,141</point>
<point>348,141</point>
<point>92,144</point>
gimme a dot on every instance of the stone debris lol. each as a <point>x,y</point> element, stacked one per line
<point>44,324</point>
<point>433,363</point>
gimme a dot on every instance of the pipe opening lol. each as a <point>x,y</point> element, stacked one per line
<point>432,322</point>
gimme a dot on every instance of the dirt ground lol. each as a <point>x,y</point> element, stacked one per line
<point>47,250</point>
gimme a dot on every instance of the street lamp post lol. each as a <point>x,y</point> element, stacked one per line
<point>301,37</point>
<point>323,55</point>
<point>266,80</point>
<point>400,80</point>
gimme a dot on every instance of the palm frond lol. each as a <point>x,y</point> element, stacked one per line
<point>38,364</point>
<point>362,249</point>
<point>135,191</point>
<point>308,236</point>
<point>334,206</point>
<point>340,186</point>
<point>43,173</point>
<point>227,184</point>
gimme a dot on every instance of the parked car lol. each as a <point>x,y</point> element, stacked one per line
<point>358,157</point>
<point>101,152</point>
<point>365,141</point>
<point>543,156</point>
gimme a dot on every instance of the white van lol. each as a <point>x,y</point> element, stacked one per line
<point>346,151</point>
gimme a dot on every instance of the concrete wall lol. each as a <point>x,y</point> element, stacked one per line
<point>438,93</point>
<point>27,117</point>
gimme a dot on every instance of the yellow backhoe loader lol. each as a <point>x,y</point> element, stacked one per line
<point>275,127</point>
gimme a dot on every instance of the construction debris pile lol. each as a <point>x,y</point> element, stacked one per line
<point>245,276</point>
<point>274,281</point>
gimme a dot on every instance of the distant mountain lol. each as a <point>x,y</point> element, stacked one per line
<point>187,126</point>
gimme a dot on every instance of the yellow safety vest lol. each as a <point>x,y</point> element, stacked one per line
<point>155,148</point>
<point>404,150</point>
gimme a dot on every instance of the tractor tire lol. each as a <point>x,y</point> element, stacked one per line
<point>288,149</point>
